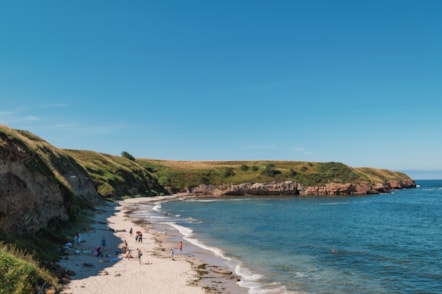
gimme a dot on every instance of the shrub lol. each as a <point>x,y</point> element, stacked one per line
<point>204,180</point>
<point>244,167</point>
<point>228,172</point>
<point>270,170</point>
<point>127,155</point>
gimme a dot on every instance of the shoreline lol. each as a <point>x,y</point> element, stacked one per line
<point>158,271</point>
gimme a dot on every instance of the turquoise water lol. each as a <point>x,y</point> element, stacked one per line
<point>389,243</point>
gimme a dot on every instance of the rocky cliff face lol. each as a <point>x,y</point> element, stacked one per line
<point>293,188</point>
<point>28,199</point>
<point>34,189</point>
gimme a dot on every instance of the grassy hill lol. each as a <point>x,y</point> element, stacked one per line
<point>179,175</point>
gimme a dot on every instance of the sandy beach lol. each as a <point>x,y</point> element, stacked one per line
<point>156,272</point>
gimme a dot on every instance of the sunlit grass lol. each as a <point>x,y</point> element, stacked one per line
<point>20,272</point>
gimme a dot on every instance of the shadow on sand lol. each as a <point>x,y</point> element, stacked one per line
<point>81,260</point>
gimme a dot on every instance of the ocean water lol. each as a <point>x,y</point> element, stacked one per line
<point>388,243</point>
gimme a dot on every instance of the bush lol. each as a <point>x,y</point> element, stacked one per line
<point>270,170</point>
<point>127,155</point>
<point>228,172</point>
<point>204,180</point>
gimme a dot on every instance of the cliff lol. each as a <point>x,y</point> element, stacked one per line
<point>41,184</point>
<point>38,183</point>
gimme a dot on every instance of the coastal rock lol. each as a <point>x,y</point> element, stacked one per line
<point>406,183</point>
<point>294,188</point>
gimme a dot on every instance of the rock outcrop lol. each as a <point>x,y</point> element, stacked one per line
<point>293,188</point>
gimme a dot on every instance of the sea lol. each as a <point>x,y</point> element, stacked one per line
<point>384,243</point>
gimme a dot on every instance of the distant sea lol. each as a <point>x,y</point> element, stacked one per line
<point>387,243</point>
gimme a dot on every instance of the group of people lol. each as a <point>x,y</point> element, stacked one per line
<point>76,240</point>
<point>138,238</point>
<point>73,243</point>
<point>98,250</point>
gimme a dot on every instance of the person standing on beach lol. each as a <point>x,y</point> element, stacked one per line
<point>103,243</point>
<point>180,247</point>
<point>125,247</point>
<point>139,253</point>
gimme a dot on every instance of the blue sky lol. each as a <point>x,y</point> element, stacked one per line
<point>358,82</point>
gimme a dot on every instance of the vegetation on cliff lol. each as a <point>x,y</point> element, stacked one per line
<point>116,176</point>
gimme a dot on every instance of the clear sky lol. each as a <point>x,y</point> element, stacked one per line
<point>358,82</point>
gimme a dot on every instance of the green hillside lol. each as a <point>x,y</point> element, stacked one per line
<point>179,175</point>
<point>116,176</point>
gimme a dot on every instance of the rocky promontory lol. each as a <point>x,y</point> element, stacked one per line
<point>293,188</point>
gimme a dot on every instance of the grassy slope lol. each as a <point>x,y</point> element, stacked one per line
<point>38,149</point>
<point>115,176</point>
<point>20,272</point>
<point>181,174</point>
